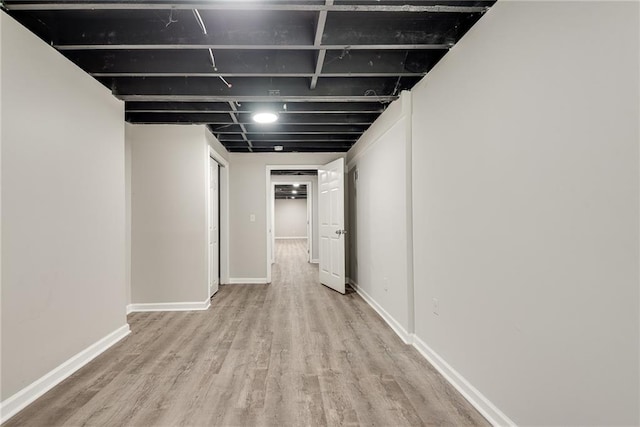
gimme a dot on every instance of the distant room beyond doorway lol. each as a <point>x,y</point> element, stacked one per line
<point>291,214</point>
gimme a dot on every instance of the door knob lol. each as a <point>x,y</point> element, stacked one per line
<point>339,232</point>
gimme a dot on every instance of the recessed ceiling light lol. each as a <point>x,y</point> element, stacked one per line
<point>265,117</point>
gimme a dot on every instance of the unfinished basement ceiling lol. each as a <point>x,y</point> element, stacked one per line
<point>294,173</point>
<point>328,68</point>
<point>286,191</point>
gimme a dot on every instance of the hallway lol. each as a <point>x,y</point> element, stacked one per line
<point>290,353</point>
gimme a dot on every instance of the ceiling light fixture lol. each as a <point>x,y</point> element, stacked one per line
<point>265,117</point>
<point>296,185</point>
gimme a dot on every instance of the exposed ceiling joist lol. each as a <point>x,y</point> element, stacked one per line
<point>338,121</point>
<point>281,112</point>
<point>232,113</point>
<point>205,46</point>
<point>292,75</point>
<point>235,5</point>
<point>222,132</point>
<point>226,98</point>
<point>317,41</point>
<point>373,107</point>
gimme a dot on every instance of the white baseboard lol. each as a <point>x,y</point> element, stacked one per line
<point>26,396</point>
<point>129,308</point>
<point>488,410</point>
<point>393,323</point>
<point>289,238</point>
<point>170,306</point>
<point>315,261</point>
<point>248,281</point>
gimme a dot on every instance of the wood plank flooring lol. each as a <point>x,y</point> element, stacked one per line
<point>292,353</point>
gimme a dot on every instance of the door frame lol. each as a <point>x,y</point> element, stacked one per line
<point>223,212</point>
<point>213,164</point>
<point>309,199</point>
<point>269,206</point>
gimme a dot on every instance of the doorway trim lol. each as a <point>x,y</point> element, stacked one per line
<point>223,188</point>
<point>269,206</point>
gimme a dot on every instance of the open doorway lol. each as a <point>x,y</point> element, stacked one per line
<point>292,215</point>
<point>292,211</point>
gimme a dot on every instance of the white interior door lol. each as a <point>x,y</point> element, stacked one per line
<point>331,218</point>
<point>214,233</point>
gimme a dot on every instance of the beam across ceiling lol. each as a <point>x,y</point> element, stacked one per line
<point>166,111</point>
<point>255,63</point>
<point>248,107</point>
<point>167,46</point>
<point>317,41</point>
<point>385,99</point>
<point>273,88</point>
<point>231,75</point>
<point>233,113</point>
<point>33,5</point>
<point>245,119</point>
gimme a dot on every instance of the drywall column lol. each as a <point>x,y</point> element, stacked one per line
<point>525,173</point>
<point>63,225</point>
<point>168,218</point>
<point>379,182</point>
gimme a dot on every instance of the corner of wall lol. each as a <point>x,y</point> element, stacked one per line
<point>393,112</point>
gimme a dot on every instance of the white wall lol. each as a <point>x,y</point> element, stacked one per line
<point>248,195</point>
<point>525,142</point>
<point>290,218</point>
<point>63,204</point>
<point>169,261</point>
<point>379,229</point>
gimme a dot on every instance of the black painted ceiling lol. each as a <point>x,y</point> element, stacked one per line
<point>328,67</point>
<point>294,172</point>
<point>286,191</point>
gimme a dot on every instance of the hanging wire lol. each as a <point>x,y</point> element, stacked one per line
<point>200,21</point>
<point>213,59</point>
<point>395,89</point>
<point>171,20</point>
<point>225,82</point>
<point>372,93</point>
<point>203,27</point>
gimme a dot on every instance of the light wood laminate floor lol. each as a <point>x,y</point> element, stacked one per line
<point>292,353</point>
